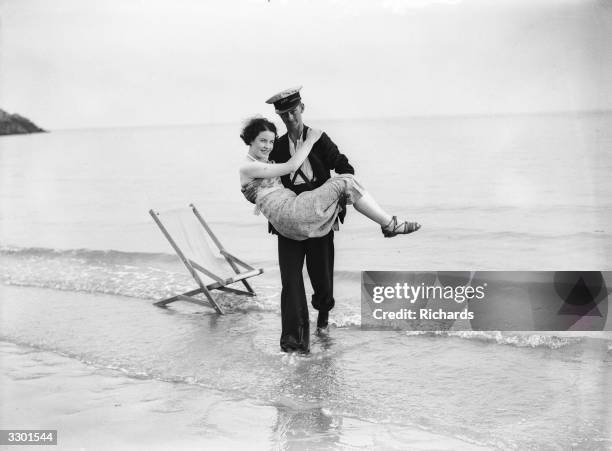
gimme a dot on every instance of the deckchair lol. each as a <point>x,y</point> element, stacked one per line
<point>203,265</point>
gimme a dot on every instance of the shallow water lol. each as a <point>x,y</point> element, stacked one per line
<point>81,262</point>
<point>503,390</point>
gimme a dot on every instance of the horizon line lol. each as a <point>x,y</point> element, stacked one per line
<point>361,118</point>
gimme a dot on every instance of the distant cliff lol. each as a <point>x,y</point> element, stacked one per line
<point>12,124</point>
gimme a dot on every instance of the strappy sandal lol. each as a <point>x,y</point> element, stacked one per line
<point>393,228</point>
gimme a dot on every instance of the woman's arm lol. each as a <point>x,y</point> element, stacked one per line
<point>259,170</point>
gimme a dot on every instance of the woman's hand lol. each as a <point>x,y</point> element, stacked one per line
<point>312,136</point>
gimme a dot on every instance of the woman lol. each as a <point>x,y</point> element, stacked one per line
<point>312,213</point>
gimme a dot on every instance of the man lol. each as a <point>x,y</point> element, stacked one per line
<point>318,252</point>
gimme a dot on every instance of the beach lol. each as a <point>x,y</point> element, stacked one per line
<point>94,408</point>
<point>328,400</point>
<point>84,351</point>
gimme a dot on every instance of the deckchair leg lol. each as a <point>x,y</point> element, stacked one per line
<point>193,300</point>
<point>188,297</point>
<point>216,306</point>
<point>235,291</point>
<point>248,287</point>
<point>165,302</point>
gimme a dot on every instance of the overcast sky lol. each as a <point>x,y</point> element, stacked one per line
<point>85,63</point>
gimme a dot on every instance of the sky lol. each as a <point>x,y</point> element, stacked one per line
<point>82,63</point>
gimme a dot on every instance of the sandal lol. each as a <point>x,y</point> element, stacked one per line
<point>393,228</point>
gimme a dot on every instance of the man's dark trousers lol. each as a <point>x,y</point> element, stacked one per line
<point>319,255</point>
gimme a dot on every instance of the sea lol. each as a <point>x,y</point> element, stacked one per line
<point>82,261</point>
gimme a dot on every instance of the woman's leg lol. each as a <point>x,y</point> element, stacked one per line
<point>367,206</point>
<point>347,185</point>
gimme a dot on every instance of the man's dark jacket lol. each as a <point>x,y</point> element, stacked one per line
<point>323,158</point>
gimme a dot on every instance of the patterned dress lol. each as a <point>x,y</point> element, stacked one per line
<point>307,215</point>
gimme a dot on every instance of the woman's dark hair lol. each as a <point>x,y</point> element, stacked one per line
<point>254,127</point>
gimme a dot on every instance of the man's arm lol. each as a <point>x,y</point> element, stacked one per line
<point>331,156</point>
<point>328,152</point>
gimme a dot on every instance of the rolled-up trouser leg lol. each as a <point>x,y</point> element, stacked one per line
<point>295,335</point>
<point>320,265</point>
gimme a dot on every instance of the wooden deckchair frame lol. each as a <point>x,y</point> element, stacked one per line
<point>193,268</point>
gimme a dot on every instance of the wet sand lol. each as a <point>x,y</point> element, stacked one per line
<point>98,408</point>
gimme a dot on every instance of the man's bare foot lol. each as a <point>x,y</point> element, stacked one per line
<point>322,331</point>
